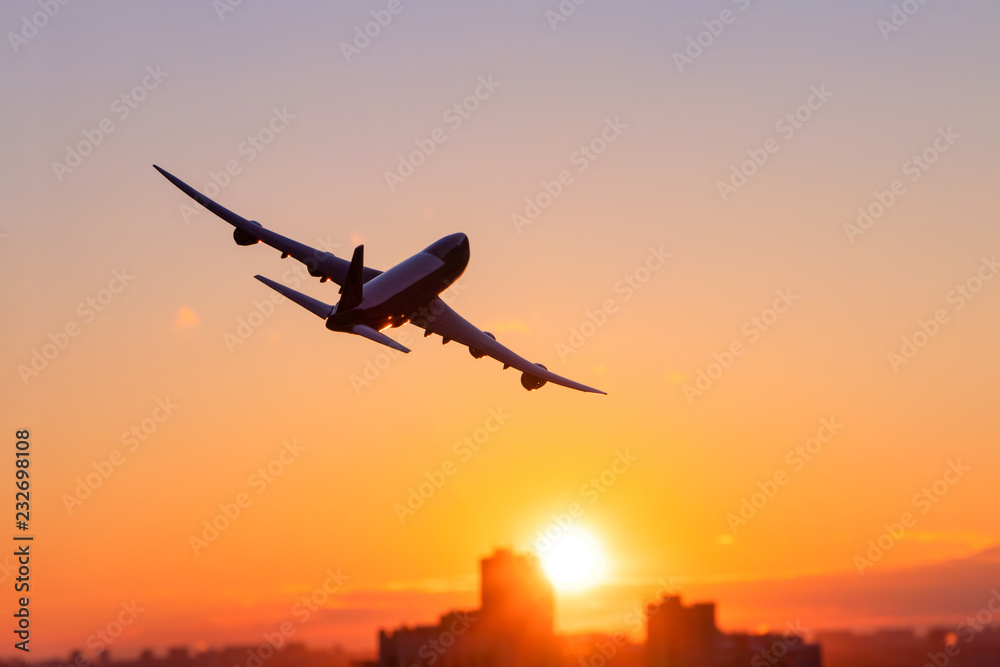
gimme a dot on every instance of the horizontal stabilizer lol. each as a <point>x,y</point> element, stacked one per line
<point>314,306</point>
<point>378,337</point>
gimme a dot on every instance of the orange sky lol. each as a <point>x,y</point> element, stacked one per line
<point>729,325</point>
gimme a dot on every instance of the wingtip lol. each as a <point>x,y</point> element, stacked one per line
<point>267,281</point>
<point>170,177</point>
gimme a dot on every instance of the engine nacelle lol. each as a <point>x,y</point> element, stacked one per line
<point>531,383</point>
<point>476,353</point>
<point>242,238</point>
<point>313,267</point>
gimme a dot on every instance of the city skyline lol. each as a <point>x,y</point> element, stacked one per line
<point>306,613</point>
<point>514,625</point>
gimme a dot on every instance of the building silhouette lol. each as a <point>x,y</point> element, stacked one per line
<point>963,645</point>
<point>687,636</point>
<point>513,627</point>
<point>679,636</point>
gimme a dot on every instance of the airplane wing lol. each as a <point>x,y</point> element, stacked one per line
<point>447,323</point>
<point>321,264</point>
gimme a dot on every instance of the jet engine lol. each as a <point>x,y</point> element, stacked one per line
<point>242,238</point>
<point>313,267</point>
<point>478,354</point>
<point>531,383</point>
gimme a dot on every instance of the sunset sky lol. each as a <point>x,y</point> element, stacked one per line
<point>697,251</point>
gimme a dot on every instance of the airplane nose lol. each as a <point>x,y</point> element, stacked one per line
<point>450,247</point>
<point>462,248</point>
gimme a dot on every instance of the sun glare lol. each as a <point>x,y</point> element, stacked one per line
<point>573,561</point>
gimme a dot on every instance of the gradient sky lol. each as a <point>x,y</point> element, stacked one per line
<point>322,180</point>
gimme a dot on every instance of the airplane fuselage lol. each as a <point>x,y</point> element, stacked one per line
<point>372,300</point>
<point>394,296</point>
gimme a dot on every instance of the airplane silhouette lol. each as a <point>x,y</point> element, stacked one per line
<point>373,300</point>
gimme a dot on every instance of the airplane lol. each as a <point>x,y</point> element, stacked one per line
<point>372,300</point>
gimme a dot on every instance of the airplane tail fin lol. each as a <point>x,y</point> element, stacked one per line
<point>314,306</point>
<point>352,290</point>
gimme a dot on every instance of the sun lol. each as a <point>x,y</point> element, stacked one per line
<point>573,561</point>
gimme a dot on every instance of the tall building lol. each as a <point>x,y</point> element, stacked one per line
<point>687,636</point>
<point>513,628</point>
<point>515,594</point>
<point>679,635</point>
